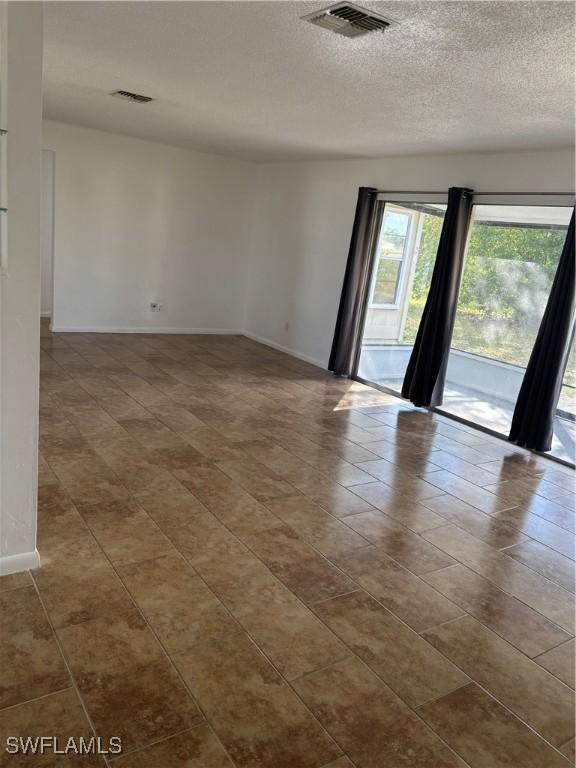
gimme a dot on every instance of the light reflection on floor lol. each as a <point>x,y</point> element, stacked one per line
<point>496,415</point>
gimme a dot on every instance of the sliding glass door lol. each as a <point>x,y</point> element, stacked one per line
<point>511,259</point>
<point>404,251</point>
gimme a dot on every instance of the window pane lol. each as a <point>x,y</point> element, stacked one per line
<point>423,266</point>
<point>511,258</point>
<point>393,233</point>
<point>386,282</point>
<point>409,231</point>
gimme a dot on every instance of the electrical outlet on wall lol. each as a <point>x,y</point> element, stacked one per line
<point>155,306</point>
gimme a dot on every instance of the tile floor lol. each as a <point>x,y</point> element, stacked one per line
<point>248,562</point>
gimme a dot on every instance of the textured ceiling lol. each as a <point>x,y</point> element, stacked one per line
<point>251,79</point>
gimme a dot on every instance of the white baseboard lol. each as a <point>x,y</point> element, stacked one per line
<point>286,350</point>
<point>21,562</point>
<point>199,331</point>
<point>143,329</point>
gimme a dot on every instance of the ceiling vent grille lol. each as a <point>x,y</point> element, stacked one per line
<point>349,20</point>
<point>129,96</point>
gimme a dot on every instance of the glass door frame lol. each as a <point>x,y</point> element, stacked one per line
<point>383,198</point>
<point>491,199</point>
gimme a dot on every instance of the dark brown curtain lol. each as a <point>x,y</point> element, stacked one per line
<point>353,288</point>
<point>533,420</point>
<point>426,372</point>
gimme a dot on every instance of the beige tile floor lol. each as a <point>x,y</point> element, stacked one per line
<point>248,562</point>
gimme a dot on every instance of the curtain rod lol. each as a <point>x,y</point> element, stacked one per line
<point>483,194</point>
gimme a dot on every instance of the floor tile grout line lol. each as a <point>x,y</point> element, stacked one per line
<point>35,698</point>
<point>553,552</point>
<point>550,672</point>
<point>412,710</point>
<point>134,500</point>
<point>69,668</point>
<point>404,568</point>
<point>503,705</point>
<point>561,747</point>
<point>449,522</point>
<point>515,597</point>
<point>325,667</point>
<point>335,519</point>
<point>502,551</point>
<point>146,747</point>
<point>555,647</point>
<point>521,507</point>
<point>502,637</point>
<point>552,647</point>
<point>343,520</point>
<point>464,615</point>
<point>570,687</point>
<point>470,681</point>
<point>383,682</point>
<point>358,588</point>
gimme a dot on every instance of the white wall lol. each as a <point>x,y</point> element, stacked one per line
<point>47,231</point>
<point>20,284</point>
<point>304,218</point>
<point>229,245</point>
<point>137,222</point>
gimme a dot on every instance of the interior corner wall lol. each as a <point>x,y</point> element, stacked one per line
<point>21,28</point>
<point>137,222</point>
<point>304,216</point>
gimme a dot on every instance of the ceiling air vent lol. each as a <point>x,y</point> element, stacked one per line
<point>129,96</point>
<point>349,20</point>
